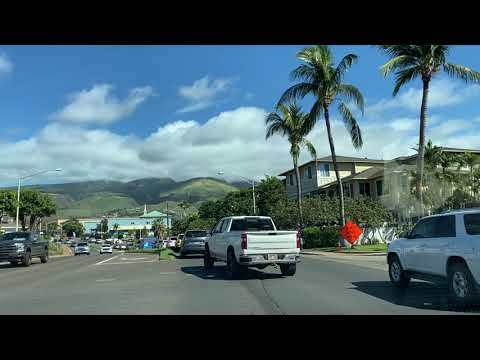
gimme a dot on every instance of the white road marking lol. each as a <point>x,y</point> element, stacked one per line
<point>104,261</point>
<point>132,262</point>
<point>105,280</point>
<point>128,259</point>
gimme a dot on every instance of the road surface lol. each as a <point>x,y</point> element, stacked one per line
<point>140,284</point>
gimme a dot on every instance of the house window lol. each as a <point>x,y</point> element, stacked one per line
<point>404,182</point>
<point>291,179</point>
<point>346,190</point>
<point>324,170</point>
<point>364,188</point>
<point>351,190</point>
<point>379,187</point>
<point>309,172</point>
<point>330,193</point>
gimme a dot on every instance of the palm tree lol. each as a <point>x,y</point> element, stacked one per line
<point>422,61</point>
<point>470,160</point>
<point>322,79</point>
<point>184,206</point>
<point>294,124</point>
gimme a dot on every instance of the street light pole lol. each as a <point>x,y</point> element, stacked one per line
<point>18,191</point>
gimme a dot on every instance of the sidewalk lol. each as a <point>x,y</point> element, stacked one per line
<point>370,260</point>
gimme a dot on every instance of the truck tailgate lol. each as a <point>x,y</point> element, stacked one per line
<point>271,240</point>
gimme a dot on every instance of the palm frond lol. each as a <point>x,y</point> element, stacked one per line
<point>275,125</point>
<point>343,66</point>
<point>310,148</point>
<point>397,63</point>
<point>405,76</point>
<point>303,72</point>
<point>352,126</point>
<point>315,113</point>
<point>297,91</point>
<point>462,72</point>
<point>351,93</point>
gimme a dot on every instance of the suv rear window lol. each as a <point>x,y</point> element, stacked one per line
<point>252,224</point>
<point>82,244</point>
<point>197,234</point>
<point>472,223</point>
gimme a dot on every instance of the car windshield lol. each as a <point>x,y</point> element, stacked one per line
<point>15,236</point>
<point>193,234</point>
<point>82,244</point>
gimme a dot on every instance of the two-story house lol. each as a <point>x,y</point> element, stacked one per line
<point>318,176</point>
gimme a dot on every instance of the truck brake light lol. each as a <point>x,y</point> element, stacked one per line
<point>243,241</point>
<point>299,240</point>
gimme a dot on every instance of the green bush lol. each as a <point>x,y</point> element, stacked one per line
<point>318,237</point>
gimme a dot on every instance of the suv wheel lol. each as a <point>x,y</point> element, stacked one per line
<point>208,261</point>
<point>44,257</point>
<point>233,268</point>
<point>460,285</point>
<point>397,274</point>
<point>288,269</point>
<point>27,259</point>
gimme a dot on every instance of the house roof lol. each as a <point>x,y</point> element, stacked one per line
<point>340,159</point>
<point>153,214</point>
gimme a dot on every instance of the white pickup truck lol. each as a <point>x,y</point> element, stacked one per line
<point>440,247</point>
<point>251,241</point>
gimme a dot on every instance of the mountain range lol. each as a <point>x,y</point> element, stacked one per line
<point>96,198</point>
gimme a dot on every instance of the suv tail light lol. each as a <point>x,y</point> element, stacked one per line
<point>299,240</point>
<point>243,242</point>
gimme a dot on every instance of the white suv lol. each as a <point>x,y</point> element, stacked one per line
<point>440,247</point>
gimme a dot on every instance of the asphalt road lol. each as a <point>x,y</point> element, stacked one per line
<point>140,284</point>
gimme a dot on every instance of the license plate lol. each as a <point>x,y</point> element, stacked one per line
<point>272,257</point>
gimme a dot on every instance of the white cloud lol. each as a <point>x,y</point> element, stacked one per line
<point>233,142</point>
<point>404,124</point>
<point>99,105</point>
<point>203,93</point>
<point>443,92</point>
<point>6,66</point>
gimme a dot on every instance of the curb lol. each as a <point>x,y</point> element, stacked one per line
<point>325,253</point>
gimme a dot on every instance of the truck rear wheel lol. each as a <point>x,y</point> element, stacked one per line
<point>233,268</point>
<point>44,257</point>
<point>288,269</point>
<point>27,259</point>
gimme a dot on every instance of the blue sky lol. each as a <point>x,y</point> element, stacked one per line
<point>126,112</point>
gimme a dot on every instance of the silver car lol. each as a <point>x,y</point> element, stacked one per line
<point>82,248</point>
<point>193,242</point>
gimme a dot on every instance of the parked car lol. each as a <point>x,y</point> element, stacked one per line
<point>22,246</point>
<point>82,248</point>
<point>123,246</point>
<point>251,241</point>
<point>171,242</point>
<point>106,249</point>
<point>178,243</point>
<point>193,242</point>
<point>444,247</point>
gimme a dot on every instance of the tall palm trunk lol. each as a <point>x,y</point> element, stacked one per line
<point>299,190</point>
<point>421,144</point>
<point>337,174</point>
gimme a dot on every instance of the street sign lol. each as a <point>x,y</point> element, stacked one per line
<point>351,232</point>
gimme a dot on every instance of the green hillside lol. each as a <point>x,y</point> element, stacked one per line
<point>97,205</point>
<point>96,198</point>
<point>202,189</point>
